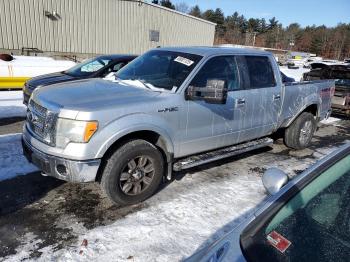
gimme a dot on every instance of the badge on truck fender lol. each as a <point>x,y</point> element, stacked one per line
<point>278,241</point>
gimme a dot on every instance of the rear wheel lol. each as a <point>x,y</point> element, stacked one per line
<point>133,173</point>
<point>299,134</point>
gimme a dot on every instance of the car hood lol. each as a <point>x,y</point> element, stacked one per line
<point>49,79</point>
<point>92,94</point>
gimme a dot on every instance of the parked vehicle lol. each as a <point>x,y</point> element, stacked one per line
<point>340,72</point>
<point>297,59</point>
<point>96,67</point>
<point>310,60</point>
<point>341,98</point>
<point>308,219</point>
<point>169,109</point>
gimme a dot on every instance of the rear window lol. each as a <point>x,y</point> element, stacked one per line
<point>260,72</point>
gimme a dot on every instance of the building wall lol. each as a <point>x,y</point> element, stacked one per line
<point>96,26</point>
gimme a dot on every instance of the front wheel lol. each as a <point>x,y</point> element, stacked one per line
<point>299,134</point>
<point>133,172</point>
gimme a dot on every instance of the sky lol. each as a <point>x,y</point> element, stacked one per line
<point>304,12</point>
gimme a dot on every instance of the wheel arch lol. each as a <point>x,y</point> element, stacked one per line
<point>313,108</point>
<point>158,139</point>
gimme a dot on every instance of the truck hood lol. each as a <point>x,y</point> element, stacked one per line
<point>92,94</point>
<point>49,79</point>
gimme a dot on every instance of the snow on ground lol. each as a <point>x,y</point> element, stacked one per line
<point>188,214</point>
<point>297,74</point>
<point>330,120</point>
<point>12,161</point>
<point>11,104</point>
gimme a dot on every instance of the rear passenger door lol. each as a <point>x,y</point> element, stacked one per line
<point>261,101</point>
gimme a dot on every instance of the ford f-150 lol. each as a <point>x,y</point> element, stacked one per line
<point>168,110</point>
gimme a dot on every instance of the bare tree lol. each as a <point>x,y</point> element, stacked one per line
<point>182,7</point>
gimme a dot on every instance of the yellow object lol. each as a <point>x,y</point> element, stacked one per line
<point>12,82</point>
<point>298,57</point>
<point>90,129</point>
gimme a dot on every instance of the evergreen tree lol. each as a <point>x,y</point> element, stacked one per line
<point>167,3</point>
<point>196,11</point>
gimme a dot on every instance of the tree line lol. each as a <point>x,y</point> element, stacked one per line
<point>328,42</point>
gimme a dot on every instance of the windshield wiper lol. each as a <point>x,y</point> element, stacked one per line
<point>143,82</point>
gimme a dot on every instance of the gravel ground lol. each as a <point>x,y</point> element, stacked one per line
<point>42,218</point>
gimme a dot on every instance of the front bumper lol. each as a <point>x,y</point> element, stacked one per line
<point>61,168</point>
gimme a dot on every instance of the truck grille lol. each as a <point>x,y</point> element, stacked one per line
<point>41,122</point>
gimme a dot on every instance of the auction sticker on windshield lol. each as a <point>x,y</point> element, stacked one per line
<point>278,241</point>
<point>183,60</point>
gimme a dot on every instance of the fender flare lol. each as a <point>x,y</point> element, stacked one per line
<point>165,138</point>
<point>317,103</point>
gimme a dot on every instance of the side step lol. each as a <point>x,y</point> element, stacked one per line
<point>211,156</point>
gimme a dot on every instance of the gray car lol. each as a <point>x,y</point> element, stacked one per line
<point>308,219</point>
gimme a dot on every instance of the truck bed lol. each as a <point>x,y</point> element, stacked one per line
<point>298,95</point>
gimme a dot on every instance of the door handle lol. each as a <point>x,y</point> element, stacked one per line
<point>240,101</point>
<point>276,97</point>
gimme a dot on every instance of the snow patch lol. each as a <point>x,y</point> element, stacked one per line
<point>330,120</point>
<point>189,214</point>
<point>12,161</point>
<point>11,104</point>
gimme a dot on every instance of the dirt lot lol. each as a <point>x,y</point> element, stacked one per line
<point>38,212</point>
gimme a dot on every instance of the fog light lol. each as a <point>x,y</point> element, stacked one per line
<point>61,169</point>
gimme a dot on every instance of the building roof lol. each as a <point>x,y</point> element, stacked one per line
<point>180,13</point>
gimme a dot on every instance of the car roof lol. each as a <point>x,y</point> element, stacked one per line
<point>116,56</point>
<point>213,50</point>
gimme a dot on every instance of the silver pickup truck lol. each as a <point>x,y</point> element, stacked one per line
<point>168,110</point>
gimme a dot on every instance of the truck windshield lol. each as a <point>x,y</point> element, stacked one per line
<point>88,67</point>
<point>160,68</point>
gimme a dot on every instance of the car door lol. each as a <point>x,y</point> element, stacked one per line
<point>210,126</point>
<point>309,222</point>
<point>261,100</point>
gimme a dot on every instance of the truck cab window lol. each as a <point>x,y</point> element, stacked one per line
<point>260,72</point>
<point>220,67</point>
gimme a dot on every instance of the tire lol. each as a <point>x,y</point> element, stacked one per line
<point>299,134</point>
<point>133,173</point>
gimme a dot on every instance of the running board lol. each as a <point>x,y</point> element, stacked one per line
<point>211,156</point>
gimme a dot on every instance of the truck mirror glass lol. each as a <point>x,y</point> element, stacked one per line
<point>215,92</point>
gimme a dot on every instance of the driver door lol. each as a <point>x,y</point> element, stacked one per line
<point>210,126</point>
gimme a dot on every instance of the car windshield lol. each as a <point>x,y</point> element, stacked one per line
<point>88,67</point>
<point>160,69</point>
<point>313,225</point>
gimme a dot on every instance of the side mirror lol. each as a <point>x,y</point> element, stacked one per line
<point>274,179</point>
<point>215,92</point>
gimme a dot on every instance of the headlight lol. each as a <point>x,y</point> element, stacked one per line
<point>76,131</point>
